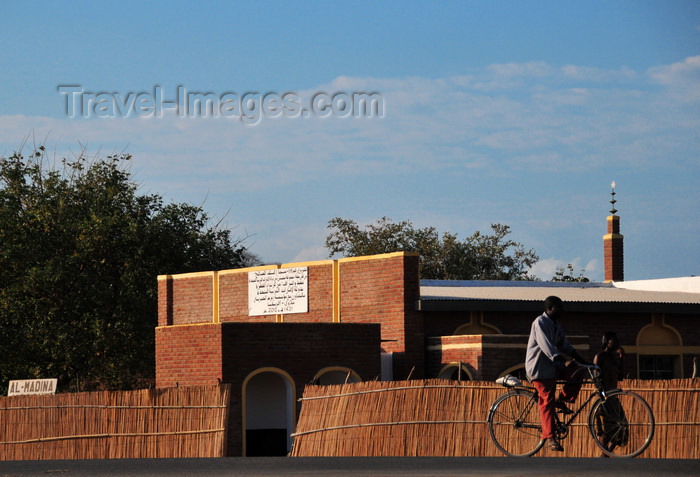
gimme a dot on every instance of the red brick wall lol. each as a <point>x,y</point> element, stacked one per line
<point>486,356</point>
<point>469,355</point>
<point>613,252</point>
<point>186,298</point>
<point>188,355</point>
<point>379,289</point>
<point>233,297</point>
<point>301,350</point>
<point>320,295</point>
<point>191,355</point>
<point>626,325</point>
<point>385,291</point>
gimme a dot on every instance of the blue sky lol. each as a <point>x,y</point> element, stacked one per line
<point>520,113</point>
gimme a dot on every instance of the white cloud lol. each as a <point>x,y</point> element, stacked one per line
<point>682,78</point>
<point>504,125</point>
<point>532,115</point>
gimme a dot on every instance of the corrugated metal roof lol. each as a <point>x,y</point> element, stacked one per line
<point>602,294</point>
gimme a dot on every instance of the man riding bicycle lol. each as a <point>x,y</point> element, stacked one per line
<point>545,363</point>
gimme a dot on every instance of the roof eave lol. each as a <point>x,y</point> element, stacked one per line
<point>536,306</point>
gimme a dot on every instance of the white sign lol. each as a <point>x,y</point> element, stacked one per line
<point>278,291</point>
<point>32,386</point>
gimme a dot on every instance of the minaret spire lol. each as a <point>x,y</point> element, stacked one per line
<point>612,244</point>
<point>613,201</point>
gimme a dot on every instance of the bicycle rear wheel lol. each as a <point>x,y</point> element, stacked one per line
<point>514,423</point>
<point>622,425</point>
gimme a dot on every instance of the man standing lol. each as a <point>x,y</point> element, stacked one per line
<point>545,363</point>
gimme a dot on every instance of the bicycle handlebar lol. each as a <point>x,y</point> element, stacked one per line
<point>588,366</point>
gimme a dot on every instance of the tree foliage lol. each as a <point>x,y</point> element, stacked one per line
<point>478,257</point>
<point>567,274</point>
<point>80,250</point>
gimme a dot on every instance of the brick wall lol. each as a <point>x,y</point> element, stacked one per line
<point>185,298</point>
<point>486,356</point>
<point>379,289</point>
<point>301,350</point>
<point>233,295</point>
<point>199,354</point>
<point>188,355</point>
<point>320,296</point>
<point>593,325</point>
<point>385,291</point>
<point>613,252</point>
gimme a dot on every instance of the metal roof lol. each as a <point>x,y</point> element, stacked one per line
<point>443,295</point>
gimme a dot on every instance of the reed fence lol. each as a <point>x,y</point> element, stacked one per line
<point>172,422</point>
<point>445,418</point>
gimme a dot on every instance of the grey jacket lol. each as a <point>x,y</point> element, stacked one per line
<point>547,341</point>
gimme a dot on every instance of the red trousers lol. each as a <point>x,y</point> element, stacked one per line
<point>546,392</point>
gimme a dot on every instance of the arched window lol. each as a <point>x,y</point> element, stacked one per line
<point>455,372</point>
<point>658,345</point>
<point>268,398</point>
<point>518,371</point>
<point>336,375</point>
<point>477,326</point>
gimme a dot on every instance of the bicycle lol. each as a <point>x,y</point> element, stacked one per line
<point>621,422</point>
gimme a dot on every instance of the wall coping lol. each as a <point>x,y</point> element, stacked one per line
<point>382,256</point>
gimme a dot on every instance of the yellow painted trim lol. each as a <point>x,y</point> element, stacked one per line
<point>511,369</point>
<point>476,318</point>
<point>659,321</point>
<point>185,275</point>
<point>306,264</point>
<point>279,318</point>
<point>614,217</point>
<point>285,375</point>
<point>453,346</point>
<point>613,236</point>
<point>336,291</point>
<point>233,271</point>
<point>490,345</point>
<point>456,365</point>
<point>381,256</point>
<point>330,369</point>
<point>216,318</point>
<point>207,323</point>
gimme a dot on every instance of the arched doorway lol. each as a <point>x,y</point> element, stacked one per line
<point>336,375</point>
<point>268,413</point>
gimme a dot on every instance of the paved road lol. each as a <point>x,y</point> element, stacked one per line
<point>357,466</point>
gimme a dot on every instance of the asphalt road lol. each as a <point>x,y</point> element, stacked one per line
<point>355,466</point>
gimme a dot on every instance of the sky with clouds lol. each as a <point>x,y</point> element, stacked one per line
<point>492,112</point>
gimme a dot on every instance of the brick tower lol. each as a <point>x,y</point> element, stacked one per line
<point>612,246</point>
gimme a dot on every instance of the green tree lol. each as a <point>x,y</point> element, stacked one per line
<point>80,250</point>
<point>567,274</point>
<point>478,257</point>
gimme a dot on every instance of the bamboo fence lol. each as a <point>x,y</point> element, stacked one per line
<point>447,418</point>
<point>172,422</point>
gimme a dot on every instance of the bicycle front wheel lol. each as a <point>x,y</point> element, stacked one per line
<point>622,425</point>
<point>514,423</point>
